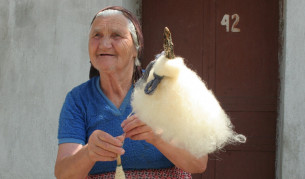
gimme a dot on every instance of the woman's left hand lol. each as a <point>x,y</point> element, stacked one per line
<point>135,129</point>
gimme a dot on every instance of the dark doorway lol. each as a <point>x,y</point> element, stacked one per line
<point>233,46</point>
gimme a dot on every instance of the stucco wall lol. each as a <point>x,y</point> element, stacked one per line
<point>291,148</point>
<point>43,55</point>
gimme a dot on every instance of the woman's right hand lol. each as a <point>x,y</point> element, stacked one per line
<point>104,147</point>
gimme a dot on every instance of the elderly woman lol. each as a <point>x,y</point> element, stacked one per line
<point>94,127</point>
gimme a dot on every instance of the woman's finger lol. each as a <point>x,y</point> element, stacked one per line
<point>147,136</point>
<point>104,153</point>
<point>121,137</point>
<point>110,147</point>
<point>102,144</point>
<point>130,125</point>
<point>103,158</point>
<point>103,136</point>
<point>129,119</point>
<point>97,154</point>
<point>138,130</point>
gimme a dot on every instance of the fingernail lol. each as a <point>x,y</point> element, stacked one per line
<point>122,151</point>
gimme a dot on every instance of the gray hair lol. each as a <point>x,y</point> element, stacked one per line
<point>131,28</point>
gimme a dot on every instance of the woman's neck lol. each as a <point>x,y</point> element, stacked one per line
<point>115,87</point>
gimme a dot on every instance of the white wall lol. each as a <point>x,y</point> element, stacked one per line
<point>43,55</point>
<point>291,141</point>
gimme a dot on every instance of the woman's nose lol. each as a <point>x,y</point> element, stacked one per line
<point>105,43</point>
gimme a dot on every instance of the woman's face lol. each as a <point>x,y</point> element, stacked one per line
<point>111,47</point>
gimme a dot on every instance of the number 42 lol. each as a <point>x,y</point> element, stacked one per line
<point>226,22</point>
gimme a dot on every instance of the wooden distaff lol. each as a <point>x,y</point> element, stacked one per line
<point>169,53</point>
<point>168,44</point>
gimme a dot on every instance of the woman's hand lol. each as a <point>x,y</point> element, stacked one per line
<point>135,129</point>
<point>104,147</point>
<point>138,130</point>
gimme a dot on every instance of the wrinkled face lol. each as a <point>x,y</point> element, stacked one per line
<point>111,47</point>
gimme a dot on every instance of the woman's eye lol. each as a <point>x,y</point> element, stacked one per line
<point>96,36</point>
<point>116,35</point>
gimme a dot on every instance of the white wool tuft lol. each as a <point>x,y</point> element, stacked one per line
<point>119,172</point>
<point>187,113</point>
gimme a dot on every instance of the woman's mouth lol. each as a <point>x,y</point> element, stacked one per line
<point>106,55</point>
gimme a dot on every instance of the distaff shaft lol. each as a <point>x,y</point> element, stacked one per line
<point>169,53</point>
<point>168,44</point>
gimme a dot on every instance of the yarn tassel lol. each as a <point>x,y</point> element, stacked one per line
<point>119,172</point>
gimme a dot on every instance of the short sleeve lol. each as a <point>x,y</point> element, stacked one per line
<point>71,127</point>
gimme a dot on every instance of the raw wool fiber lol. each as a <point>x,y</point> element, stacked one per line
<point>183,110</point>
<point>119,172</point>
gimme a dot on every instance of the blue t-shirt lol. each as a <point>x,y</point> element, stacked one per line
<point>87,109</point>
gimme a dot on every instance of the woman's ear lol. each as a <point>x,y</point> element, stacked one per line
<point>137,62</point>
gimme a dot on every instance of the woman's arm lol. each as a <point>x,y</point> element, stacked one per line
<point>72,161</point>
<point>137,130</point>
<point>75,161</point>
<point>182,158</point>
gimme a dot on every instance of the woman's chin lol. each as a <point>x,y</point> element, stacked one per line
<point>107,69</point>
<point>105,65</point>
